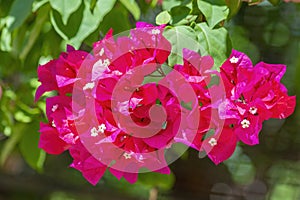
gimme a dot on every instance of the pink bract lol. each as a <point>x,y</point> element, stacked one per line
<point>104,113</point>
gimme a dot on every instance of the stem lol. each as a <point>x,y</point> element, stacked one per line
<point>160,70</point>
<point>153,193</point>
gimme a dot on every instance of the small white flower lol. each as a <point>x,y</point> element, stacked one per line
<point>54,108</point>
<point>117,72</point>
<point>102,128</point>
<point>213,142</point>
<point>90,85</point>
<point>234,59</point>
<point>155,31</point>
<point>127,155</point>
<point>102,63</point>
<point>253,110</point>
<point>245,123</point>
<point>53,124</point>
<point>95,132</point>
<point>101,52</point>
<point>106,62</point>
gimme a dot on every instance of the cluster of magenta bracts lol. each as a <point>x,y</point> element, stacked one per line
<point>108,118</point>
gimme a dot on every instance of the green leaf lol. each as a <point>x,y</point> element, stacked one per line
<point>90,21</point>
<point>240,41</point>
<point>162,181</point>
<point>254,2</point>
<point>21,117</point>
<point>70,30</point>
<point>163,18</point>
<point>119,24</point>
<point>168,4</point>
<point>180,37</point>
<point>93,5</point>
<point>18,13</point>
<point>214,42</point>
<point>214,14</point>
<point>133,8</point>
<point>65,8</point>
<point>28,146</point>
<point>5,40</point>
<point>37,4</point>
<point>41,18</point>
<point>274,2</point>
<point>11,143</point>
<point>57,28</point>
<point>234,7</point>
<point>179,13</point>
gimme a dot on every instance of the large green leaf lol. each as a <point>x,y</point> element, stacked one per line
<point>163,18</point>
<point>18,13</point>
<point>119,24</point>
<point>274,2</point>
<point>90,21</point>
<point>240,41</point>
<point>168,4</point>
<point>34,156</point>
<point>133,8</point>
<point>65,7</point>
<point>10,144</point>
<point>42,16</point>
<point>234,7</point>
<point>179,13</point>
<point>215,42</point>
<point>214,14</point>
<point>180,37</point>
<point>67,31</point>
<point>5,40</point>
<point>154,180</point>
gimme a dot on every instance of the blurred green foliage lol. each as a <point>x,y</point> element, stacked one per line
<point>34,31</point>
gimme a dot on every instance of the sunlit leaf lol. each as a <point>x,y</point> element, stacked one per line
<point>133,8</point>
<point>180,37</point>
<point>163,18</point>
<point>214,14</point>
<point>214,42</point>
<point>168,4</point>
<point>65,7</point>
<point>5,40</point>
<point>21,117</point>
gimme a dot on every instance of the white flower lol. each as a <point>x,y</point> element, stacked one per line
<point>245,123</point>
<point>155,31</point>
<point>213,142</point>
<point>95,132</point>
<point>90,85</point>
<point>234,59</point>
<point>253,110</point>
<point>54,108</point>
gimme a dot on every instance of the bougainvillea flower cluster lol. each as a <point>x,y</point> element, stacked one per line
<point>109,116</point>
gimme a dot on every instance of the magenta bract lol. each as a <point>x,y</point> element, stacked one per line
<point>108,115</point>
